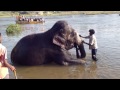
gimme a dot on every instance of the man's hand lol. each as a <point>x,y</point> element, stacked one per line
<point>80,35</point>
<point>12,68</point>
<point>83,41</point>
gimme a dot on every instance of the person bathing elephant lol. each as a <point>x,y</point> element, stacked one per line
<point>50,46</point>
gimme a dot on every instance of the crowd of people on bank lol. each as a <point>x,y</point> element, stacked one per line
<point>23,18</point>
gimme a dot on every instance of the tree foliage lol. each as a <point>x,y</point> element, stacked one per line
<point>13,29</point>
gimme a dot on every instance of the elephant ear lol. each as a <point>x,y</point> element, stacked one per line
<point>58,40</point>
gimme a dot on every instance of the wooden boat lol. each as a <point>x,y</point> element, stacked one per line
<point>30,22</point>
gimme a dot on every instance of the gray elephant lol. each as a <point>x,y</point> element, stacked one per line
<point>47,47</point>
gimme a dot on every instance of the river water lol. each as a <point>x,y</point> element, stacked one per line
<point>107,29</point>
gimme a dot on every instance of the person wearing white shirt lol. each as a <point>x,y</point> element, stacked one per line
<point>4,65</point>
<point>92,43</point>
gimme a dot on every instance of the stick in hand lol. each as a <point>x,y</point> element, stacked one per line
<point>15,74</point>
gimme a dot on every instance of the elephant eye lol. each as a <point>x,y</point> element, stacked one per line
<point>61,30</point>
<point>72,34</point>
<point>63,34</point>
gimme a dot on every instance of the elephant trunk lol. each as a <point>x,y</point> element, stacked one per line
<point>79,46</point>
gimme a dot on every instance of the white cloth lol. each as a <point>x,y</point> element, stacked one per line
<point>3,50</point>
<point>92,42</point>
<point>3,70</point>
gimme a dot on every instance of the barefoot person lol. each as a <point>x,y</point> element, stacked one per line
<point>4,65</point>
<point>92,43</point>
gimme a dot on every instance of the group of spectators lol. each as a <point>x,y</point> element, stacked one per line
<point>23,18</point>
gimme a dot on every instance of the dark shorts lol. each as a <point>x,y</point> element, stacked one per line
<point>94,51</point>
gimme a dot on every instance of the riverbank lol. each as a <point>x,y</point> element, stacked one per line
<point>52,13</point>
<point>86,12</point>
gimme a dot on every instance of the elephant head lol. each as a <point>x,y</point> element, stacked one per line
<point>65,36</point>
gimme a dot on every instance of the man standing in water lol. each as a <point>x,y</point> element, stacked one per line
<point>4,65</point>
<point>92,43</point>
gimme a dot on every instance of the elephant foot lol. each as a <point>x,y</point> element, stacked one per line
<point>79,61</point>
<point>82,61</point>
<point>65,63</point>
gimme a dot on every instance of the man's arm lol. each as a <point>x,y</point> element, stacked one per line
<point>86,43</point>
<point>9,66</point>
<point>85,36</point>
<point>6,63</point>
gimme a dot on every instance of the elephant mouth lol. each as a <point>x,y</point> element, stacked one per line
<point>58,40</point>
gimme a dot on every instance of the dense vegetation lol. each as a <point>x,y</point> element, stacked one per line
<point>13,29</point>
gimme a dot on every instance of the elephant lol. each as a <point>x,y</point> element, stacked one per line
<point>46,47</point>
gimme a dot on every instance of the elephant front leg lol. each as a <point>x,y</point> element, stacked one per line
<point>62,57</point>
<point>68,60</point>
<point>65,63</point>
<point>61,61</point>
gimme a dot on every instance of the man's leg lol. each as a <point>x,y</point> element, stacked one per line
<point>94,51</point>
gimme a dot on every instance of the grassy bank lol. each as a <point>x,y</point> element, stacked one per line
<point>51,13</point>
<point>86,12</point>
